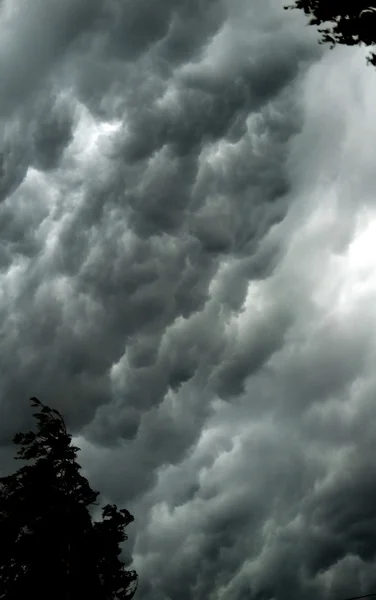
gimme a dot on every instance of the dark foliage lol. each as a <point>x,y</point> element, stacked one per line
<point>348,22</point>
<point>49,546</point>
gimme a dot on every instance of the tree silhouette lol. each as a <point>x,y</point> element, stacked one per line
<point>49,546</point>
<point>350,22</point>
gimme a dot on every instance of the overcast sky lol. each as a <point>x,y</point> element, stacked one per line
<point>188,273</point>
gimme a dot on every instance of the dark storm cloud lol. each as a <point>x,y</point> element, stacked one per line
<point>128,285</point>
<point>135,46</point>
<point>33,37</point>
<point>313,536</point>
<point>36,137</point>
<point>177,277</point>
<point>50,133</point>
<point>13,166</point>
<point>179,29</point>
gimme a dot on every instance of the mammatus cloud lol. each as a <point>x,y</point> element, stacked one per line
<point>187,225</point>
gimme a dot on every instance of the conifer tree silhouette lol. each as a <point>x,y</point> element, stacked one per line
<point>49,546</point>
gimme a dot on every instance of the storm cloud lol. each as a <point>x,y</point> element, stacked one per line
<point>188,225</point>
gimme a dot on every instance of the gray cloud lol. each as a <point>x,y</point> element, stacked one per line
<point>186,219</point>
<point>32,39</point>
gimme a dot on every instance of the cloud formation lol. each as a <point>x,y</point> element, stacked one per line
<point>187,228</point>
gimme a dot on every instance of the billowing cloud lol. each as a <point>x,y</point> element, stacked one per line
<point>187,223</point>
